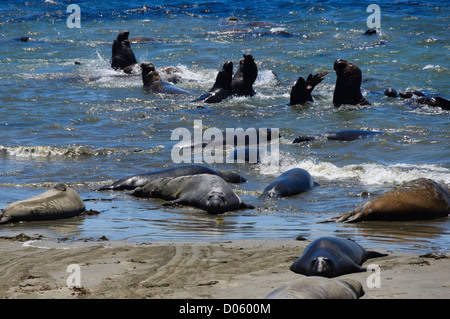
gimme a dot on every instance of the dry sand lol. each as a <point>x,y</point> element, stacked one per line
<point>238,269</point>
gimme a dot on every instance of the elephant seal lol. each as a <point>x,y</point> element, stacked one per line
<point>58,202</point>
<point>345,135</point>
<point>331,257</point>
<point>134,181</point>
<point>222,87</point>
<point>238,138</point>
<point>205,191</point>
<point>301,91</point>
<point>316,287</point>
<point>153,83</point>
<point>292,182</point>
<point>418,199</point>
<point>122,54</point>
<point>370,31</point>
<point>348,84</point>
<point>245,76</point>
<point>436,101</point>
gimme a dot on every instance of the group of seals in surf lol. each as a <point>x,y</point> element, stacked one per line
<point>347,89</point>
<point>209,190</point>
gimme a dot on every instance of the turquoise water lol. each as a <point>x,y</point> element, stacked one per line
<point>87,125</point>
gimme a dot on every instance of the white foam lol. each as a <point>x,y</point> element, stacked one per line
<point>368,173</point>
<point>42,151</point>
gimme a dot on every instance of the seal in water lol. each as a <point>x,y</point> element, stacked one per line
<point>301,91</point>
<point>245,76</point>
<point>153,83</point>
<point>345,135</point>
<point>331,257</point>
<point>317,287</point>
<point>58,202</point>
<point>205,191</point>
<point>122,55</point>
<point>131,182</point>
<point>222,87</point>
<point>348,84</point>
<point>418,199</point>
<point>291,182</point>
<point>436,101</point>
<point>239,138</point>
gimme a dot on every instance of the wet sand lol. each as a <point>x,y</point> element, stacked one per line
<point>36,268</point>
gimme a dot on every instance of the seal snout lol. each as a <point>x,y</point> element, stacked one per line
<point>147,66</point>
<point>123,36</point>
<point>340,64</point>
<point>216,201</point>
<point>322,266</point>
<point>228,67</point>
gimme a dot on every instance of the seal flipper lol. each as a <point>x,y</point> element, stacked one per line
<point>315,79</point>
<point>374,254</point>
<point>246,206</point>
<point>177,202</point>
<point>301,91</point>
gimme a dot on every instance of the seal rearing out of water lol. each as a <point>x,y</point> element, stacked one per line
<point>245,76</point>
<point>122,55</point>
<point>222,87</point>
<point>348,84</point>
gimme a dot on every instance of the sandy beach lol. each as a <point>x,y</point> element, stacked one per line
<point>37,268</point>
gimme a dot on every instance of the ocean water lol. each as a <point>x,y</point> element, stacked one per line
<point>87,125</point>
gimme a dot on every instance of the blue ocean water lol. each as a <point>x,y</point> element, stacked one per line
<point>87,125</point>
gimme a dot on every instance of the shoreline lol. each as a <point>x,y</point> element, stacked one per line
<point>235,269</point>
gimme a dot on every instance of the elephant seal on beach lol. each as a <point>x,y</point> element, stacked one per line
<point>316,287</point>
<point>222,87</point>
<point>205,191</point>
<point>301,91</point>
<point>418,199</point>
<point>345,135</point>
<point>331,257</point>
<point>134,181</point>
<point>292,182</point>
<point>348,84</point>
<point>153,83</point>
<point>122,55</point>
<point>58,202</point>
<point>245,76</point>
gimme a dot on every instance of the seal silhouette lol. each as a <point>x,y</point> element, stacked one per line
<point>123,57</point>
<point>58,202</point>
<point>331,257</point>
<point>348,84</point>
<point>245,76</point>
<point>291,182</point>
<point>153,83</point>
<point>222,87</point>
<point>134,181</point>
<point>205,191</point>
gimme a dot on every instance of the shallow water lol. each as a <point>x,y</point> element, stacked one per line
<point>87,125</point>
